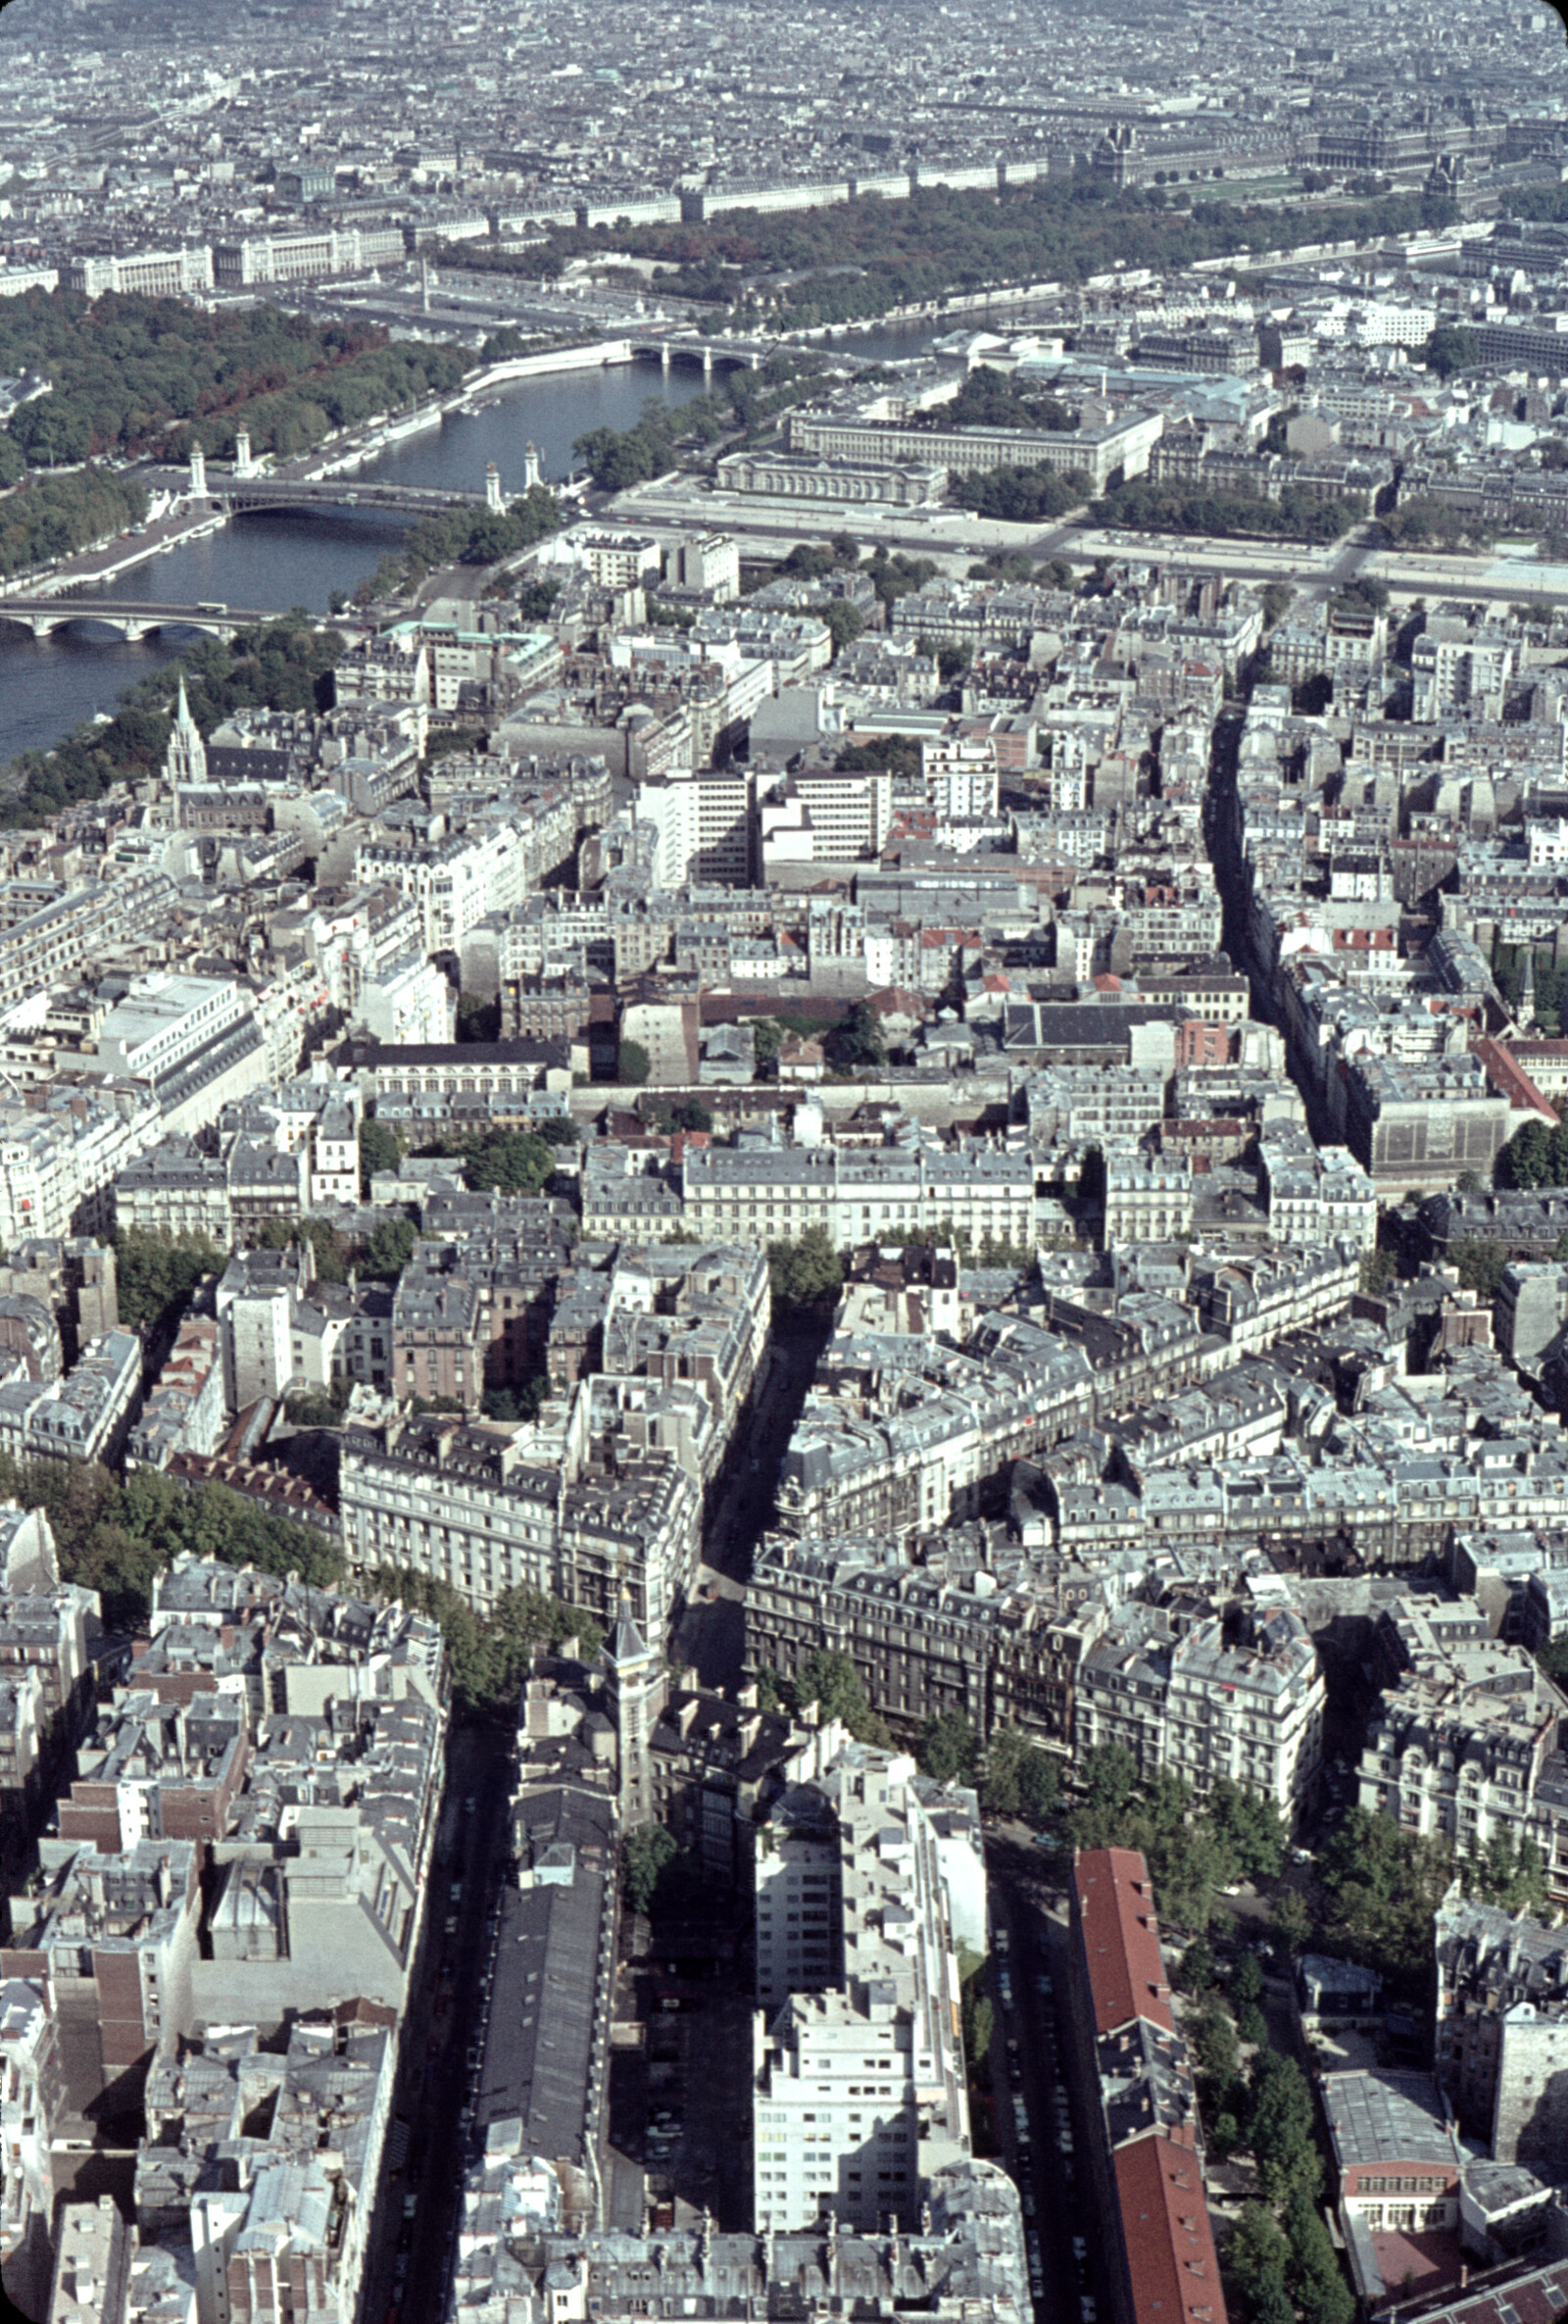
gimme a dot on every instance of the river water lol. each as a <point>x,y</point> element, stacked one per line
<point>49,685</point>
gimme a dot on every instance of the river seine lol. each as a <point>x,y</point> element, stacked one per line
<point>49,685</point>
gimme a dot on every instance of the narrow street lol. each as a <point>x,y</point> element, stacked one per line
<point>426,2151</point>
<point>1050,2168</point>
<point>713,1632</point>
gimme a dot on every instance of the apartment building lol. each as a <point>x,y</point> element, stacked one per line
<point>820,816</point>
<point>900,1454</point>
<point>1459,1744</point>
<point>962,2254</point>
<point>141,274</point>
<point>176,1190</point>
<point>498,1506</point>
<point>1501,2022</point>
<point>1146,2151</point>
<point>1238,1699</point>
<point>117,1934</point>
<point>858,2087</point>
<point>194,1039</point>
<point>729,1191</point>
<point>84,1416</point>
<point>965,1621</point>
<point>295,2225</point>
<point>32,2093</point>
<point>48,946</point>
<point>62,1147</point>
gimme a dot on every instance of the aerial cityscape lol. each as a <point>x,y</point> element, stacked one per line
<point>783,1162</point>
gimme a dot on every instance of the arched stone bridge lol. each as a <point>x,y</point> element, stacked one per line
<point>325,492</point>
<point>132,621</point>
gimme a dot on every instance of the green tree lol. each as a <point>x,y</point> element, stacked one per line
<point>478,1019</point>
<point>1537,1154</point>
<point>1449,349</point>
<point>1198,1972</point>
<point>976,2014</point>
<point>831,1681</point>
<point>949,1747</point>
<point>633,1065</point>
<point>388,1250</point>
<point>1508,1874</point>
<point>1250,1827</point>
<point>1479,1261</point>
<point>645,1855</point>
<point>1552,1656</point>
<point>510,1161</point>
<point>769,1038</point>
<point>1281,2128</point>
<point>1020,1778</point>
<point>858,1039</point>
<point>1384,1886</point>
<point>156,1273</point>
<point>1313,2273</point>
<point>560,1130</point>
<point>1290,1920</point>
<point>1379,1268</point>
<point>1254,2260</point>
<point>1213,2040</point>
<point>1246,1980</point>
<point>380,1149</point>
<point>845,623</point>
<point>806,1275</point>
<point>1108,1782</point>
<point>1251,2024</point>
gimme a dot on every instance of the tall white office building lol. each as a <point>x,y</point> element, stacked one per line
<point>858,2083</point>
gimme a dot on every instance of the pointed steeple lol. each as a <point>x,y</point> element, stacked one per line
<point>636,1690</point>
<point>186,762</point>
<point>625,1643</point>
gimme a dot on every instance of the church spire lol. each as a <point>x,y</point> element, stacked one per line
<point>186,762</point>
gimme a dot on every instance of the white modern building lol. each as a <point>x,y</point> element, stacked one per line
<point>859,2093</point>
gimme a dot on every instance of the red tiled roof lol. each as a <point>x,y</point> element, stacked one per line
<point>1165,2233</point>
<point>1120,1939</point>
<point>1510,1080</point>
<point>1525,2295</point>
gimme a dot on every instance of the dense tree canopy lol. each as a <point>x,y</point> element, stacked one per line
<point>806,1275</point>
<point>55,514</point>
<point>137,374</point>
<point>1192,1848</point>
<point>490,1654</point>
<point>853,260</point>
<point>1537,1154</point>
<point>1023,495</point>
<point>1020,1778</point>
<point>832,1682</point>
<point>116,1536</point>
<point>156,1274</point>
<point>1297,515</point>
<point>1384,1886</point>
<point>281,664</point>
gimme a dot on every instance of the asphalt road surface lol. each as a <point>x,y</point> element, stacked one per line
<point>712,1633</point>
<point>1028,2045</point>
<point>406,2270</point>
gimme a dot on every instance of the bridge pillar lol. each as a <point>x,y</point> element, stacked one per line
<point>708,362</point>
<point>242,452</point>
<point>198,472</point>
<point>530,466</point>
<point>754,361</point>
<point>42,625</point>
<point>663,358</point>
<point>492,488</point>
